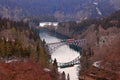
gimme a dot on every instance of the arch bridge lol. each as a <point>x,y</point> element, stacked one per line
<point>51,47</point>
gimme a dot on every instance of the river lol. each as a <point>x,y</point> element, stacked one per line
<point>62,54</point>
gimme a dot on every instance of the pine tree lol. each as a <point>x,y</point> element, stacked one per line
<point>55,63</point>
<point>68,77</point>
<point>63,76</point>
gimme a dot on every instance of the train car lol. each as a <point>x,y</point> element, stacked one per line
<point>70,40</point>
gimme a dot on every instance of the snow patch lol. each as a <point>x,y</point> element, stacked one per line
<point>97,64</point>
<point>10,61</point>
<point>98,10</point>
<point>46,70</point>
<point>95,3</point>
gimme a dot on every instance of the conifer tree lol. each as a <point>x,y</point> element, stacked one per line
<point>68,77</point>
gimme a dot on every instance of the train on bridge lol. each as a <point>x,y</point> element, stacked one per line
<point>68,40</point>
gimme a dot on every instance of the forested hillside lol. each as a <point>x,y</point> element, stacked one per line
<point>74,28</point>
<point>22,53</point>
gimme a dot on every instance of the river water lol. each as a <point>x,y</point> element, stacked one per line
<point>62,54</point>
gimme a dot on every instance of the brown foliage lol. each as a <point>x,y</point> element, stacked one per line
<point>22,71</point>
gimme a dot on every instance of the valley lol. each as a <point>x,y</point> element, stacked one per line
<point>59,40</point>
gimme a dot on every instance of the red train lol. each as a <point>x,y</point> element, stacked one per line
<point>70,40</point>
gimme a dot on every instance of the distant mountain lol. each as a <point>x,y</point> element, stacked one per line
<point>61,9</point>
<point>80,29</point>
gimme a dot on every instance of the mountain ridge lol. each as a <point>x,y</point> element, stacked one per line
<point>60,9</point>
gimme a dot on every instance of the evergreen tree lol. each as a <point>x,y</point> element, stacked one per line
<point>68,77</point>
<point>44,42</point>
<point>55,63</point>
<point>63,76</point>
<point>37,52</point>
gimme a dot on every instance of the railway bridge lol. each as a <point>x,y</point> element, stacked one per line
<point>51,47</point>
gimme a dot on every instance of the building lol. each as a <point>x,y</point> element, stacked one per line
<point>45,24</point>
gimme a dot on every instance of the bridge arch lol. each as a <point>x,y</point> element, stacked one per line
<point>70,63</point>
